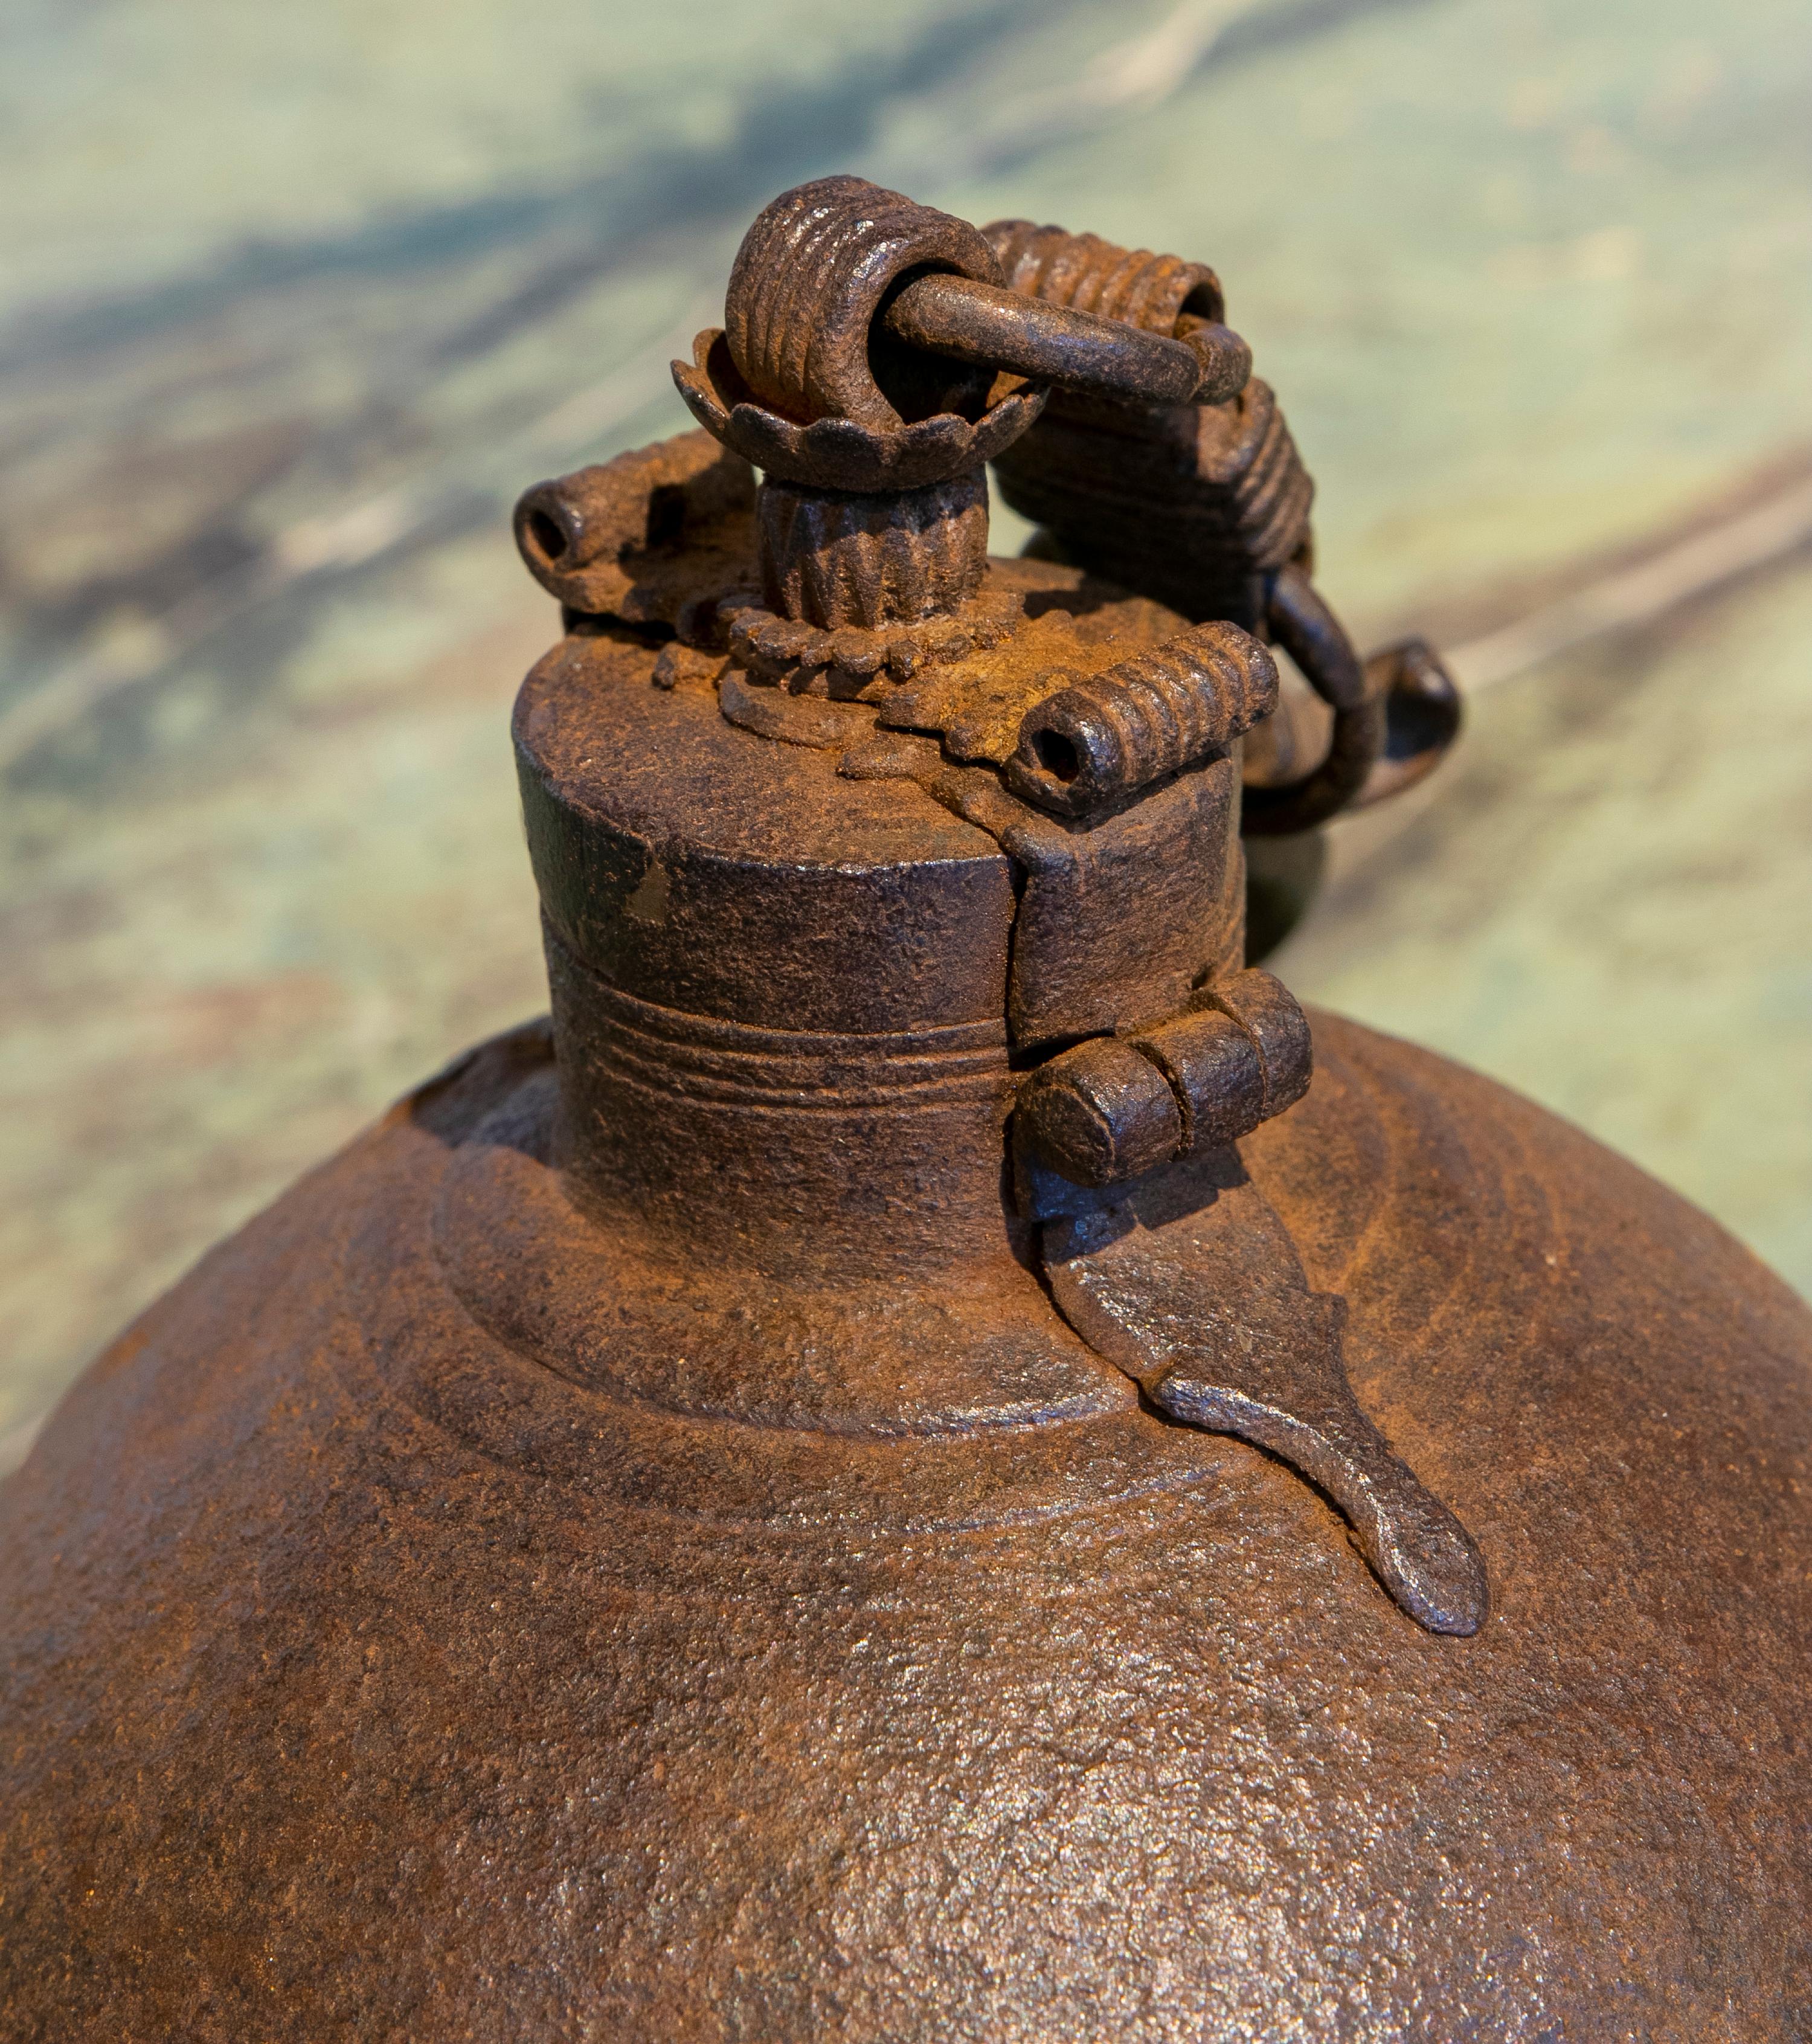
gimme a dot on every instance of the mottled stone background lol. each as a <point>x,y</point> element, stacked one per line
<point>294,300</point>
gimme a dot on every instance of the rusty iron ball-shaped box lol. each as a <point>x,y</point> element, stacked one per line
<point>930,1457</point>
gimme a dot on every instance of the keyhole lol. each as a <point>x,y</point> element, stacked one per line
<point>549,541</point>
<point>1056,754</point>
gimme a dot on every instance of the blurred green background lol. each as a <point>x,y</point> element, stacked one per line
<point>293,302</point>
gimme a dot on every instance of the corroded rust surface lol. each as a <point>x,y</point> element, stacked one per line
<point>228,884</point>
<point>466,1692</point>
<point>744,1511</point>
<point>1127,911</point>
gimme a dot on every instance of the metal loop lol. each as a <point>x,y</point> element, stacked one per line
<point>1303,625</point>
<point>805,291</point>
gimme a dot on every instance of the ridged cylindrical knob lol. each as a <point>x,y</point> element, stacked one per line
<point>807,283</point>
<point>1100,739</point>
<point>830,559</point>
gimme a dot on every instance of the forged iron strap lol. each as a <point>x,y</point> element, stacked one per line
<point>1073,351</point>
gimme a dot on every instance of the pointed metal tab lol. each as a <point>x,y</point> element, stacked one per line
<point>1188,1281</point>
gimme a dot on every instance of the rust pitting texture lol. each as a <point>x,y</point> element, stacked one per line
<point>738,1511</point>
<point>845,312</point>
<point>434,1685</point>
